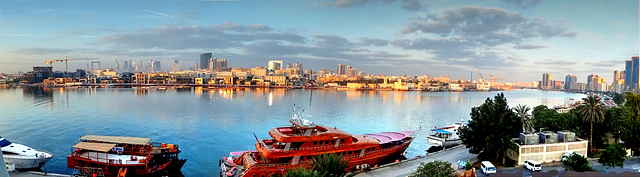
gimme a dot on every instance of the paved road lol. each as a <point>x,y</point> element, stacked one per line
<point>630,165</point>
<point>405,168</point>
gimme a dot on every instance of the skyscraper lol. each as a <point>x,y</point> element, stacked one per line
<point>204,60</point>
<point>546,80</point>
<point>628,70</point>
<point>274,65</point>
<point>176,65</point>
<point>635,70</point>
<point>341,69</point>
<point>220,64</point>
<point>617,76</point>
<point>570,78</point>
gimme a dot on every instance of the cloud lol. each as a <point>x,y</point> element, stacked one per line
<point>523,4</point>
<point>179,16</point>
<point>606,63</point>
<point>474,21</point>
<point>529,46</point>
<point>554,62</point>
<point>373,42</point>
<point>226,35</point>
<point>413,5</point>
<point>41,51</point>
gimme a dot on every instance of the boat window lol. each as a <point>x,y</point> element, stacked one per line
<point>326,142</point>
<point>4,143</point>
<point>373,149</point>
<point>9,153</point>
<point>315,143</point>
<point>320,143</point>
<point>333,141</point>
<point>349,153</point>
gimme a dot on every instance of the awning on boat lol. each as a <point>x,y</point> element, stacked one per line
<point>386,137</point>
<point>100,147</point>
<point>443,131</point>
<point>117,139</point>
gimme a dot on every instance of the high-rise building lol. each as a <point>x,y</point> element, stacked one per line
<point>176,65</point>
<point>570,78</point>
<point>628,70</point>
<point>341,70</point>
<point>546,80</point>
<point>635,70</point>
<point>204,60</point>
<point>617,76</point>
<point>274,65</point>
<point>220,64</point>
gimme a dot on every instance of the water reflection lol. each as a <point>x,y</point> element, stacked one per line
<point>39,95</point>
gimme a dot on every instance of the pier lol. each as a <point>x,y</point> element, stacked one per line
<point>34,174</point>
<point>406,167</point>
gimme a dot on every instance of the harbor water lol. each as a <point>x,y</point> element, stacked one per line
<point>208,124</point>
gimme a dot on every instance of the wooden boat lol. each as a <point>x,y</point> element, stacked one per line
<point>122,156</point>
<point>294,146</point>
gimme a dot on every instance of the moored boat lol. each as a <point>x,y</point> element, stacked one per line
<point>445,136</point>
<point>123,156</point>
<point>295,146</point>
<point>23,157</point>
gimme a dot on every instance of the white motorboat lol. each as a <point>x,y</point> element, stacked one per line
<point>23,157</point>
<point>445,136</point>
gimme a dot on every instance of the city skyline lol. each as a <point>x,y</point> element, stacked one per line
<point>514,40</point>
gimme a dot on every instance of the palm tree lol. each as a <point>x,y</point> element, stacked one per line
<point>591,110</point>
<point>330,165</point>
<point>523,112</point>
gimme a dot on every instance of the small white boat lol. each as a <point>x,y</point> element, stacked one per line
<point>445,136</point>
<point>23,157</point>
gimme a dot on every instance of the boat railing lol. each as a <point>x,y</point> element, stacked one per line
<point>104,158</point>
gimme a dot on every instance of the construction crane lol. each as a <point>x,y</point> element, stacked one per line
<point>66,60</point>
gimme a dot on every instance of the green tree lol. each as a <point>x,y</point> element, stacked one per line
<point>298,172</point>
<point>577,162</point>
<point>491,128</point>
<point>618,98</point>
<point>631,124</point>
<point>633,102</point>
<point>613,156</point>
<point>330,165</point>
<point>523,112</point>
<point>592,111</point>
<point>434,169</point>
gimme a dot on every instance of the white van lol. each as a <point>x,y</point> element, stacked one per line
<point>487,168</point>
<point>532,165</point>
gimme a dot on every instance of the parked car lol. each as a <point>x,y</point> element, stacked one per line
<point>488,168</point>
<point>568,154</point>
<point>532,165</point>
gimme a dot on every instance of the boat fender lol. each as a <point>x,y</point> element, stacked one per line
<point>229,173</point>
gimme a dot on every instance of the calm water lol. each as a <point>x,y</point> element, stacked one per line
<point>209,124</point>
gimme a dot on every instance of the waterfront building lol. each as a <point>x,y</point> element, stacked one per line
<point>341,69</point>
<point>546,146</point>
<point>578,86</point>
<point>204,60</point>
<point>176,65</point>
<point>220,64</point>
<point>258,71</point>
<point>570,78</point>
<point>274,65</point>
<point>546,81</point>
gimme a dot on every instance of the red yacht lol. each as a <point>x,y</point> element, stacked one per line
<point>294,146</point>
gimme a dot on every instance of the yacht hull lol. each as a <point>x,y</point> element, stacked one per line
<point>25,162</point>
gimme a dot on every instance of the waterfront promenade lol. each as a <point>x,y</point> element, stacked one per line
<point>406,167</point>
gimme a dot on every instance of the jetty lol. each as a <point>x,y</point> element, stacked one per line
<point>406,167</point>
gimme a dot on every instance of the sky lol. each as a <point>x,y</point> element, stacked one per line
<point>513,40</point>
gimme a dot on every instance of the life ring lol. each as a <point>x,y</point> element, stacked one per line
<point>141,151</point>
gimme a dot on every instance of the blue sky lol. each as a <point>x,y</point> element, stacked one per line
<point>515,40</point>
